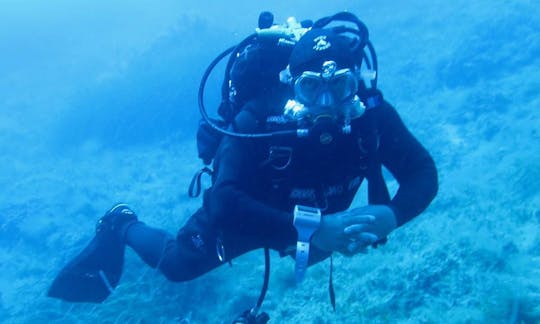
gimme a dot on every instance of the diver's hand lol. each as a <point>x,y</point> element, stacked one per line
<point>331,234</point>
<point>351,232</point>
<point>382,221</point>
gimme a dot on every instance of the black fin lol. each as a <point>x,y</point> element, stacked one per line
<point>94,273</point>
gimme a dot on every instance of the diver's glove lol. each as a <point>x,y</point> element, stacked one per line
<point>352,231</point>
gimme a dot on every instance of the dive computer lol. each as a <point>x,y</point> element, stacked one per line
<point>306,221</point>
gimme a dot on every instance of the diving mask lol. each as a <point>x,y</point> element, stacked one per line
<point>330,93</point>
<point>327,88</point>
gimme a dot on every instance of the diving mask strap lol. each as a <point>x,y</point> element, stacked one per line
<point>306,221</point>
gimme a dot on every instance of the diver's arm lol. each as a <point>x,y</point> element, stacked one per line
<point>415,171</point>
<point>410,164</point>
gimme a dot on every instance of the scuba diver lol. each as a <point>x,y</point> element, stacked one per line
<point>303,125</point>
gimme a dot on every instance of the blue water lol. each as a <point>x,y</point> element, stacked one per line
<point>98,104</point>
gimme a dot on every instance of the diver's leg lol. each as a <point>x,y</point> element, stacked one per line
<point>198,247</point>
<point>190,254</point>
<point>148,242</point>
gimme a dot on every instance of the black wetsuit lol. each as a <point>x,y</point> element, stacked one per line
<point>258,182</point>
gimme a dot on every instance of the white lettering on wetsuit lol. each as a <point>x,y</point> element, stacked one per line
<point>302,194</point>
<point>328,191</point>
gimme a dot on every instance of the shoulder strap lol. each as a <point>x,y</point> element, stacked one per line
<point>377,189</point>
